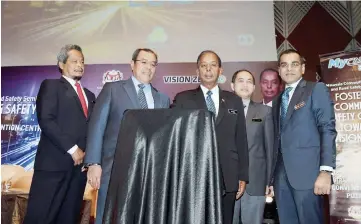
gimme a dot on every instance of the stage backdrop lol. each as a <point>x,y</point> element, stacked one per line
<point>109,31</point>
<point>19,129</point>
<point>342,74</point>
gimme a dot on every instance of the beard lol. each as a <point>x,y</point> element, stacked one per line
<point>77,78</point>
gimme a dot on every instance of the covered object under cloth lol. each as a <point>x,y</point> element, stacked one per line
<point>166,169</point>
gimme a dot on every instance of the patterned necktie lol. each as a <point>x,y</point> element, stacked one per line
<point>284,105</point>
<point>141,97</point>
<point>81,98</point>
<point>210,103</point>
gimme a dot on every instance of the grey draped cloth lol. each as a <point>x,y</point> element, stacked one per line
<point>166,169</point>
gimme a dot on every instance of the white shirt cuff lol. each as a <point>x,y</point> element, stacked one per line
<point>72,149</point>
<point>327,168</point>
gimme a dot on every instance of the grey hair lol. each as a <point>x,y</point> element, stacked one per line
<point>63,54</point>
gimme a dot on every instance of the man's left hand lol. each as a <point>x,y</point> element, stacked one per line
<point>241,189</point>
<point>323,183</point>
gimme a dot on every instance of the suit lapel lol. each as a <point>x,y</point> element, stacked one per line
<point>251,113</point>
<point>276,104</point>
<point>70,92</point>
<point>90,102</point>
<point>156,98</point>
<point>132,94</point>
<point>222,107</point>
<point>199,98</point>
<point>297,95</point>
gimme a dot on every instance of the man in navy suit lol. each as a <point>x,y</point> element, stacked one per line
<point>305,134</point>
<point>63,107</point>
<point>115,98</point>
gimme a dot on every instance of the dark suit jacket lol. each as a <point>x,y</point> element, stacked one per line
<point>230,131</point>
<point>307,140</point>
<point>62,122</point>
<point>260,137</point>
<point>113,100</point>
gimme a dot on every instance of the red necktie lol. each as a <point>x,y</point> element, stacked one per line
<point>82,99</point>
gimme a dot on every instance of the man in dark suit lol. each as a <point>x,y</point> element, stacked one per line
<point>305,134</point>
<point>115,98</point>
<point>230,127</point>
<point>259,125</point>
<point>63,107</point>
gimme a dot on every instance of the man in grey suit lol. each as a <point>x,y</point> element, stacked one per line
<point>259,126</point>
<point>305,133</point>
<point>113,100</point>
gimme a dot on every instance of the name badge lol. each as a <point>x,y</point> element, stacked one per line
<point>232,111</point>
<point>256,119</point>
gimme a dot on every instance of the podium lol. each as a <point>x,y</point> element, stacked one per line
<point>166,169</point>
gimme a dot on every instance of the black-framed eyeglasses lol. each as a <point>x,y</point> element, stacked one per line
<point>153,64</point>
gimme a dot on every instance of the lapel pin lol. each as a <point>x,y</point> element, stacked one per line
<point>299,105</point>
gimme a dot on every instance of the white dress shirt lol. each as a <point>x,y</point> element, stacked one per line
<point>147,92</point>
<point>214,96</point>
<point>294,85</point>
<point>267,104</point>
<point>72,83</point>
<point>246,105</point>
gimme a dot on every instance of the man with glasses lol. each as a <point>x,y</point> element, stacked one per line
<point>114,99</point>
<point>305,134</point>
<point>231,134</point>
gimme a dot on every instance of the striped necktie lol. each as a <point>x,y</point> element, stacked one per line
<point>141,97</point>
<point>210,104</point>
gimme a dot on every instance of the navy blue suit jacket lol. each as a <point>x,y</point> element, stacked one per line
<point>307,140</point>
<point>62,122</point>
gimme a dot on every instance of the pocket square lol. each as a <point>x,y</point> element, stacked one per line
<point>256,119</point>
<point>232,111</point>
<point>300,105</point>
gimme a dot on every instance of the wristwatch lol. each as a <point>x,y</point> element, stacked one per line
<point>92,164</point>
<point>86,166</point>
<point>327,171</point>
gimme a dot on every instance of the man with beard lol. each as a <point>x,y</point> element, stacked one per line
<point>63,107</point>
<point>230,127</point>
<point>114,99</point>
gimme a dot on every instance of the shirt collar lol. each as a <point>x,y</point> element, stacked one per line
<point>71,81</point>
<point>246,102</point>
<point>293,85</point>
<point>136,82</point>
<point>214,90</point>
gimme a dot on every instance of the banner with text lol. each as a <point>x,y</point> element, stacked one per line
<point>342,74</point>
<point>20,131</point>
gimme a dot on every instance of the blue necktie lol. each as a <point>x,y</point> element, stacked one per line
<point>141,97</point>
<point>284,105</point>
<point>210,103</point>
